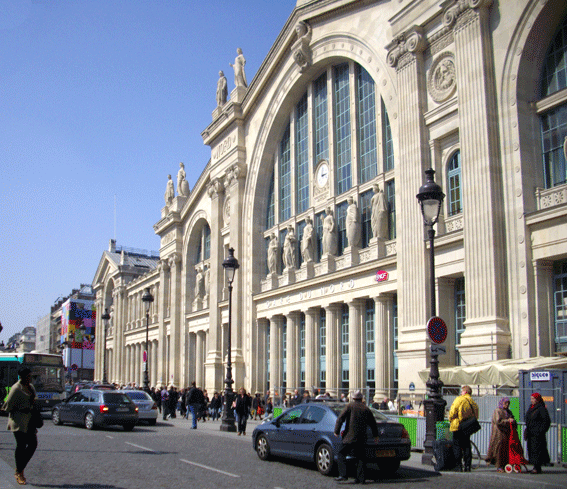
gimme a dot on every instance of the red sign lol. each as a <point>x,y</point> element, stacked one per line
<point>437,330</point>
<point>381,276</point>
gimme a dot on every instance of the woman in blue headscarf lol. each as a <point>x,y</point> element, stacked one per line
<point>502,422</point>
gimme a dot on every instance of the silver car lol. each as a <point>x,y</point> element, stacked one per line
<point>147,408</point>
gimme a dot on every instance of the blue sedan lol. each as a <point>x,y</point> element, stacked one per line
<point>305,432</point>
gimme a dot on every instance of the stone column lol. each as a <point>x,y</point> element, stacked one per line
<point>199,355</point>
<point>161,360</point>
<point>357,356</point>
<point>311,347</point>
<point>333,315</point>
<point>214,363</point>
<point>259,366</point>
<point>99,346</point>
<point>276,323</point>
<point>292,353</point>
<point>175,321</point>
<point>483,214</point>
<point>406,56</point>
<point>120,328</point>
<point>383,346</point>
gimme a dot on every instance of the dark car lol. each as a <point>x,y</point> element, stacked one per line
<point>147,408</point>
<point>93,408</point>
<point>305,432</point>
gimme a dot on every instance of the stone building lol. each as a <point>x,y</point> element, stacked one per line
<point>355,94</point>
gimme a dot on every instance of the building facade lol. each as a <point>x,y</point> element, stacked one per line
<point>313,176</point>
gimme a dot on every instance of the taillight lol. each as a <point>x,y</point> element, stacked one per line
<point>154,406</point>
<point>405,433</point>
<point>103,408</point>
<point>136,408</point>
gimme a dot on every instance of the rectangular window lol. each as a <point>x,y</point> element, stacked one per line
<point>370,343</point>
<point>322,347</point>
<point>395,339</point>
<point>285,176</point>
<point>302,349</point>
<point>560,305</point>
<point>553,134</point>
<point>302,155</point>
<point>342,128</point>
<point>320,119</point>
<point>283,234</point>
<point>284,351</point>
<point>299,235</point>
<point>366,125</point>
<point>318,225</point>
<point>391,197</point>
<point>366,217</point>
<point>341,226</point>
<point>270,217</point>
<point>460,314</point>
<point>388,146</point>
<point>207,240</point>
<point>344,346</point>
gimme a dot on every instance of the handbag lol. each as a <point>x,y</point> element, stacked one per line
<point>470,425</point>
<point>36,419</point>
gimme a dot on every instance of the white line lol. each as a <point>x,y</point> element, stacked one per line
<point>111,437</point>
<point>139,446</point>
<point>210,468</point>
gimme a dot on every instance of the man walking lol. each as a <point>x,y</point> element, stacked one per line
<point>195,399</point>
<point>463,407</point>
<point>357,417</point>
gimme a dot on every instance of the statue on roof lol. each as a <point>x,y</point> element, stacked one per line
<point>239,73</point>
<point>169,191</point>
<point>182,184</point>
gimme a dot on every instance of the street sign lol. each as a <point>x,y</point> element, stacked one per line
<point>437,330</point>
<point>438,350</point>
<point>411,387</point>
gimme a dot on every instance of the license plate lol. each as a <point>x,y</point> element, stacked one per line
<point>122,410</point>
<point>385,453</point>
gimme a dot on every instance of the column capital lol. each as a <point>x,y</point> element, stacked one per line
<point>215,188</point>
<point>235,172</point>
<point>174,260</point>
<point>410,42</point>
<point>453,9</point>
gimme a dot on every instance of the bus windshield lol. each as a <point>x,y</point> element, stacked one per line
<point>47,379</point>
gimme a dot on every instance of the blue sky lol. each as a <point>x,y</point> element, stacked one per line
<point>99,101</point>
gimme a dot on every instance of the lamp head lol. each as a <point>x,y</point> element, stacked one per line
<point>230,265</point>
<point>430,198</point>
<point>147,298</point>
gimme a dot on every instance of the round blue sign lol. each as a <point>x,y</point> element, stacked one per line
<point>437,330</point>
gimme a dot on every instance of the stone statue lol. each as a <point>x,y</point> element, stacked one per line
<point>353,228</point>
<point>308,241</point>
<point>182,184</point>
<point>330,241</point>
<point>273,248</point>
<point>169,191</point>
<point>300,48</point>
<point>199,284</point>
<point>238,66</point>
<point>222,91</point>
<point>379,217</point>
<point>289,248</point>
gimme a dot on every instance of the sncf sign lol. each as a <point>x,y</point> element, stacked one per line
<point>381,276</point>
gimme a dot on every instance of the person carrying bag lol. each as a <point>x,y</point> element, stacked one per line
<point>464,422</point>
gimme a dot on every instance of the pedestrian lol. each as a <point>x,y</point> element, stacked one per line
<point>537,424</point>
<point>269,406</point>
<point>357,417</point>
<point>463,407</point>
<point>195,399</point>
<point>173,398</point>
<point>242,405</point>
<point>502,423</point>
<point>256,403</point>
<point>215,406</point>
<point>165,402</point>
<point>205,406</point>
<point>19,405</point>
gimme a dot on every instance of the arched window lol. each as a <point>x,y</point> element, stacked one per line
<point>554,121</point>
<point>454,181</point>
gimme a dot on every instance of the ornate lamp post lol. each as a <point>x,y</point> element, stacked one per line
<point>430,198</point>
<point>147,299</point>
<point>230,265</point>
<point>105,317</point>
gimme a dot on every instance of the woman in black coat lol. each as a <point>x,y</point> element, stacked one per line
<point>537,424</point>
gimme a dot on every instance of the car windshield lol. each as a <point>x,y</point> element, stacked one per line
<point>378,416</point>
<point>116,398</point>
<point>138,396</point>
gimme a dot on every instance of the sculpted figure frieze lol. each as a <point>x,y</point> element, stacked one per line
<point>301,49</point>
<point>239,73</point>
<point>222,90</point>
<point>289,249</point>
<point>330,238</point>
<point>353,227</point>
<point>182,184</point>
<point>273,249</point>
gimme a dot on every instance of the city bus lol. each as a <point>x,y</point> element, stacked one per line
<point>48,376</point>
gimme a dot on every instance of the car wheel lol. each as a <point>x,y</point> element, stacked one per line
<point>324,459</point>
<point>56,417</point>
<point>263,448</point>
<point>89,421</point>
<point>389,467</point>
<point>128,426</point>
<point>152,422</point>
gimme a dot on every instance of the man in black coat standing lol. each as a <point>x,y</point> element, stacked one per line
<point>195,400</point>
<point>357,417</point>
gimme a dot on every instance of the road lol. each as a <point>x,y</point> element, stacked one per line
<point>171,455</point>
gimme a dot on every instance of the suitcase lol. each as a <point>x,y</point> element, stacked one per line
<point>443,455</point>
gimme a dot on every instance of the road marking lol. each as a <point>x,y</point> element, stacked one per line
<point>111,437</point>
<point>210,468</point>
<point>139,446</point>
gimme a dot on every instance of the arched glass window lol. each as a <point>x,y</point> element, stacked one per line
<point>270,214</point>
<point>302,155</point>
<point>284,158</point>
<point>204,246</point>
<point>454,181</point>
<point>366,125</point>
<point>554,121</point>
<point>342,127</point>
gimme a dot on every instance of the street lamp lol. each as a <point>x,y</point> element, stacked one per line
<point>147,299</point>
<point>105,317</point>
<point>430,199</point>
<point>230,265</point>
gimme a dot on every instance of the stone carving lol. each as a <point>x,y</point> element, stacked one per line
<point>207,280</point>
<point>199,283</point>
<point>379,217</point>
<point>308,241</point>
<point>289,249</point>
<point>300,48</point>
<point>226,211</point>
<point>239,73</point>
<point>442,80</point>
<point>353,228</point>
<point>169,191</point>
<point>330,240</point>
<point>273,248</point>
<point>222,90</point>
<point>182,184</point>
<point>215,187</point>
<point>411,42</point>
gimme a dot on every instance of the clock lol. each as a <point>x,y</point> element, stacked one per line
<point>322,174</point>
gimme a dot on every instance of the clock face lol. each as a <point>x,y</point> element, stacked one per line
<point>322,174</point>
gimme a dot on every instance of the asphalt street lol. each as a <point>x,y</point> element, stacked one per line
<point>171,455</point>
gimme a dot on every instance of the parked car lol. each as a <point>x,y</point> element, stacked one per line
<point>147,408</point>
<point>306,432</point>
<point>93,408</point>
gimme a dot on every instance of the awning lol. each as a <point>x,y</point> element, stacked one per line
<point>497,372</point>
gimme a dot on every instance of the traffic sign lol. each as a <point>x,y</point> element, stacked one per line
<point>438,350</point>
<point>437,329</point>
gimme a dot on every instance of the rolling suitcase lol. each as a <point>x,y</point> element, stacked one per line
<point>443,455</point>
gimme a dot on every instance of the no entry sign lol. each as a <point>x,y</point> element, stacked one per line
<point>437,330</point>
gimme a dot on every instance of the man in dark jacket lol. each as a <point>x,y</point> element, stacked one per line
<point>195,400</point>
<point>357,417</point>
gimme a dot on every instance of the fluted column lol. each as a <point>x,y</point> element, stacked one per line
<point>333,315</point>
<point>356,357</point>
<point>259,366</point>
<point>99,329</point>
<point>292,353</point>
<point>120,329</point>
<point>164,276</point>
<point>486,290</point>
<point>383,346</point>
<point>199,357</point>
<point>311,347</point>
<point>276,323</point>
<point>175,321</point>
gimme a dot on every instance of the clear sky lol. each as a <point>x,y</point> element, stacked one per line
<point>99,101</point>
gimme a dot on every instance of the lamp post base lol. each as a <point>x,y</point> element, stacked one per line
<point>227,419</point>
<point>434,411</point>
